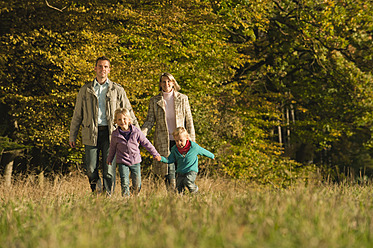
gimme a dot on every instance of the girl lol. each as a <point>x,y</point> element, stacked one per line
<point>124,144</point>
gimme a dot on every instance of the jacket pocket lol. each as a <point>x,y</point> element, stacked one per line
<point>86,130</point>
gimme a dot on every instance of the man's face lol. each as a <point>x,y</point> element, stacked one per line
<point>102,69</point>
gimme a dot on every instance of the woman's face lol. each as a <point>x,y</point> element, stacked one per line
<point>166,84</point>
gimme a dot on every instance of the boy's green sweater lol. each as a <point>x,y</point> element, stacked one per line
<point>188,162</point>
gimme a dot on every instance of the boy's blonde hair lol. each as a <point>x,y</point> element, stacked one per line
<point>180,130</point>
<point>124,112</point>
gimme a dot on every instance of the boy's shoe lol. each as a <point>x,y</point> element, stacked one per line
<point>195,191</point>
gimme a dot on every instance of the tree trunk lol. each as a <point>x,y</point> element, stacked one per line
<point>7,160</point>
<point>8,173</point>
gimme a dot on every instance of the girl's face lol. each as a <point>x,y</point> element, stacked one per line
<point>181,140</point>
<point>166,84</point>
<point>122,121</point>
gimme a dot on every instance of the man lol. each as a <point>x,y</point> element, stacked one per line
<point>94,111</point>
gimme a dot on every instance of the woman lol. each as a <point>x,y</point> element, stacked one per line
<point>168,110</point>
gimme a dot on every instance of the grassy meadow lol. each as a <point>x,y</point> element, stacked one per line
<point>37,212</point>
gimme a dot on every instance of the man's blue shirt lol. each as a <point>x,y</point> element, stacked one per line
<point>101,90</point>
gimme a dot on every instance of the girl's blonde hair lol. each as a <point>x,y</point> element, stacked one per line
<point>124,112</point>
<point>180,130</point>
<point>172,79</point>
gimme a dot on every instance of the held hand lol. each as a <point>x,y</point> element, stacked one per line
<point>72,144</point>
<point>158,158</point>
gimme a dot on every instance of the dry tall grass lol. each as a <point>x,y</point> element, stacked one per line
<point>36,187</point>
<point>40,212</point>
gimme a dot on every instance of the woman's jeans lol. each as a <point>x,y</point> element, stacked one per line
<point>171,176</point>
<point>124,171</point>
<point>92,163</point>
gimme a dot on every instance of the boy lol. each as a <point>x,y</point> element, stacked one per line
<point>185,155</point>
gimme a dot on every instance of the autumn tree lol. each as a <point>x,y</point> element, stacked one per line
<point>270,82</point>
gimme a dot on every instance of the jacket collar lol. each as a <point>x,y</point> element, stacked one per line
<point>92,84</point>
<point>160,102</point>
<point>95,82</point>
<point>132,128</point>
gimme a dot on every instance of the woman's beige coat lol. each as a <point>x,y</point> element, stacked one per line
<point>157,115</point>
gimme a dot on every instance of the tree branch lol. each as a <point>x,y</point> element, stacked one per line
<point>50,6</point>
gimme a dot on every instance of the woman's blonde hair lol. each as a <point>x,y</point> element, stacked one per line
<point>172,79</point>
<point>180,130</point>
<point>124,112</point>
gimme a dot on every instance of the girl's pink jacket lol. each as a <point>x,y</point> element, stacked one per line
<point>128,152</point>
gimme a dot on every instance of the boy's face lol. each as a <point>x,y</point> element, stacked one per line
<point>122,121</point>
<point>181,140</point>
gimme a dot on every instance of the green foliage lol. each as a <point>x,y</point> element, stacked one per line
<point>7,145</point>
<point>305,55</point>
<point>241,63</point>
